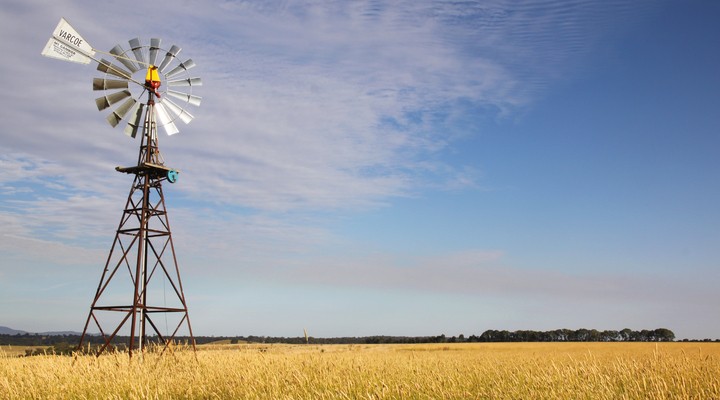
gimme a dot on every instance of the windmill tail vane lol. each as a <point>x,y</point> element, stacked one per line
<point>66,44</point>
<point>143,248</point>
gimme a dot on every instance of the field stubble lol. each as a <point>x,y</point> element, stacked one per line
<point>452,371</point>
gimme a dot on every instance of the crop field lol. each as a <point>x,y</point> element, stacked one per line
<point>437,371</point>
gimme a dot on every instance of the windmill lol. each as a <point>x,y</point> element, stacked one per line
<point>147,87</point>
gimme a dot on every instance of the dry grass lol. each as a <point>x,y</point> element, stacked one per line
<point>16,351</point>
<point>451,371</point>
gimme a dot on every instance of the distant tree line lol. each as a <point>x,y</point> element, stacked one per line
<point>34,339</point>
<point>558,335</point>
<point>66,342</point>
<point>578,335</point>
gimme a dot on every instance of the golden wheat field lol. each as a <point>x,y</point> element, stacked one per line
<point>437,371</point>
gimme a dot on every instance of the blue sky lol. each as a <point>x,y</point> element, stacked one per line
<point>396,168</point>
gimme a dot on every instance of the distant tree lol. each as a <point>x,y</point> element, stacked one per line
<point>626,335</point>
<point>643,336</point>
<point>663,335</point>
<point>488,336</point>
<point>581,335</point>
<point>610,336</point>
<point>593,335</point>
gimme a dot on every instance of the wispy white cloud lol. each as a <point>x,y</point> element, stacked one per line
<point>21,250</point>
<point>40,199</point>
<point>486,273</point>
<point>315,105</point>
<point>334,107</point>
<point>320,105</point>
<point>327,105</point>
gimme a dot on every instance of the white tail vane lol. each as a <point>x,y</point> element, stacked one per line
<point>66,44</point>
<point>125,66</point>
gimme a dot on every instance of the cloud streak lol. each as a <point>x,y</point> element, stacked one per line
<point>325,105</point>
<point>486,274</point>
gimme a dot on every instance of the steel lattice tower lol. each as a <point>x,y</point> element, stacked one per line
<point>143,250</point>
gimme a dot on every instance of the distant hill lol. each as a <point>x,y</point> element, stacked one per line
<point>62,333</point>
<point>4,330</point>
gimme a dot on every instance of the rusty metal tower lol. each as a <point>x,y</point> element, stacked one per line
<point>142,251</point>
<point>140,295</point>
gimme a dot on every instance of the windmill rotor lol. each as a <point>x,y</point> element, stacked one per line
<point>170,79</point>
<point>130,73</point>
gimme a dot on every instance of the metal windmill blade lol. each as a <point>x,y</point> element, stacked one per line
<point>189,98</point>
<point>164,119</point>
<point>106,101</point>
<point>136,48</point>
<point>119,54</point>
<point>106,84</point>
<point>186,82</point>
<point>184,66</point>
<point>154,49</point>
<point>169,56</point>
<point>108,67</point>
<point>116,116</point>
<point>135,120</point>
<point>184,116</point>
